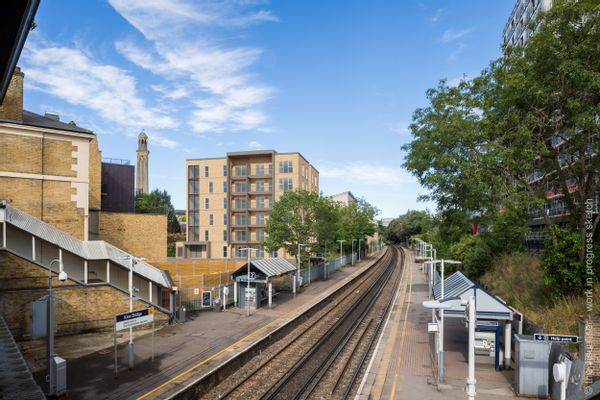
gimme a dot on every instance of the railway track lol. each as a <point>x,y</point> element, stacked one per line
<point>324,356</point>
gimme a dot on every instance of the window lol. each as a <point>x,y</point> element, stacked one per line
<point>240,219</point>
<point>285,167</point>
<point>193,186</point>
<point>260,169</point>
<point>193,202</point>
<point>240,170</point>
<point>260,235</point>
<point>224,251</point>
<point>260,219</point>
<point>225,170</point>
<point>206,235</point>
<point>195,251</point>
<point>225,203</point>
<point>225,187</point>
<point>210,187</point>
<point>303,171</point>
<point>194,234</point>
<point>260,202</point>
<point>210,219</point>
<point>194,218</point>
<point>225,235</point>
<point>238,252</point>
<point>285,184</point>
<point>260,253</point>
<point>193,172</point>
<point>240,236</point>
<point>224,219</point>
<point>240,204</point>
<point>206,203</point>
<point>274,254</point>
<point>260,186</point>
<point>206,171</point>
<point>240,187</point>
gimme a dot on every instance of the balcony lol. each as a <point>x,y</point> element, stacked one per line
<point>259,192</point>
<point>263,208</point>
<point>257,224</point>
<point>239,193</point>
<point>265,175</point>
<point>238,177</point>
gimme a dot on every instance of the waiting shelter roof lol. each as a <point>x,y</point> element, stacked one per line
<point>488,306</point>
<point>268,267</point>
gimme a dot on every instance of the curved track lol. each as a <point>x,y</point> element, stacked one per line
<point>323,357</point>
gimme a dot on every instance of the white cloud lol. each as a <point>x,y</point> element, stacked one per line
<point>186,47</point>
<point>254,145</point>
<point>436,17</point>
<point>365,173</point>
<point>453,34</point>
<point>111,92</point>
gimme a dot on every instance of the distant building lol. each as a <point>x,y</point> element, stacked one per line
<point>141,182</point>
<point>118,185</point>
<point>385,222</point>
<point>181,218</point>
<point>229,200</point>
<point>516,31</point>
<point>344,198</point>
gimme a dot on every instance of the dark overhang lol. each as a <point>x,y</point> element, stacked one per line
<point>16,19</point>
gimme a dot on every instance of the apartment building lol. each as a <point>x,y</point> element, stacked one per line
<point>229,199</point>
<point>516,31</point>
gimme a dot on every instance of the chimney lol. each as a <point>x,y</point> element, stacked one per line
<point>12,106</point>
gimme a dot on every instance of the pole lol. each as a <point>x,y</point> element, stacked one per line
<point>353,240</point>
<point>298,277</point>
<point>248,285</point>
<point>115,344</point>
<point>152,340</point>
<point>50,335</point>
<point>130,355</point>
<point>309,268</point>
<point>441,350</point>
<point>472,322</point>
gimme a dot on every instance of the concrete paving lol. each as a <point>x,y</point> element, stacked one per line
<point>183,352</point>
<point>402,367</point>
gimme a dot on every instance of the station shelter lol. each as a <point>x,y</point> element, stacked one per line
<point>493,316</point>
<point>260,278</point>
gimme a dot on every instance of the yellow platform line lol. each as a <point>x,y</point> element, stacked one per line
<point>403,334</point>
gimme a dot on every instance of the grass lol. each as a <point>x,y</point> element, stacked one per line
<point>519,280</point>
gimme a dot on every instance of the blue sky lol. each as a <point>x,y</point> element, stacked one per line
<point>337,81</point>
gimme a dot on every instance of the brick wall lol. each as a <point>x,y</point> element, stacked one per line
<point>95,175</point>
<point>591,338</point>
<point>12,106</point>
<point>21,154</point>
<point>143,235</point>
<point>79,309</point>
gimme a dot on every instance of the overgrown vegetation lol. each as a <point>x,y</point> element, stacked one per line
<point>520,137</point>
<point>158,202</point>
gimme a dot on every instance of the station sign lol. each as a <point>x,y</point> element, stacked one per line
<point>134,318</point>
<point>244,278</point>
<point>544,337</point>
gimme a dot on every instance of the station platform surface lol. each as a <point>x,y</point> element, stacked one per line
<point>402,367</point>
<point>185,352</point>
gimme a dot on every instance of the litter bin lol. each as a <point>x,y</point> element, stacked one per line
<point>181,315</point>
<point>217,304</point>
<point>532,366</point>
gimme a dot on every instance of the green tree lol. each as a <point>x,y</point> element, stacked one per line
<point>292,221</point>
<point>158,202</point>
<point>356,221</point>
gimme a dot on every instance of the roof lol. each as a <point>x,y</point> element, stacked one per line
<point>33,119</point>
<point>488,306</point>
<point>269,267</point>
<point>88,250</point>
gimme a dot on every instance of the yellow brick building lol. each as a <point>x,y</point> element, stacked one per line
<point>229,199</point>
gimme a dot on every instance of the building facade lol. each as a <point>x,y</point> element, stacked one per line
<point>141,182</point>
<point>344,198</point>
<point>118,186</point>
<point>516,31</point>
<point>229,199</point>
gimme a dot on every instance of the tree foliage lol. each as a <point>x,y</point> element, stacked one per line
<point>523,132</point>
<point>158,202</point>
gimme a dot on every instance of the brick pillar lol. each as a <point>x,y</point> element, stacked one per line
<point>591,348</point>
<point>12,106</point>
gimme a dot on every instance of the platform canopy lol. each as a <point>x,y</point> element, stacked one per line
<point>266,268</point>
<point>488,306</point>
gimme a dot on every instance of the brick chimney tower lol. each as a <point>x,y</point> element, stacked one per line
<point>141,179</point>
<point>12,106</point>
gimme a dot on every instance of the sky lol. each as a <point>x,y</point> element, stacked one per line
<point>337,81</point>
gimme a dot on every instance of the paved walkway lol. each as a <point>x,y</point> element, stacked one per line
<point>183,352</point>
<point>402,367</point>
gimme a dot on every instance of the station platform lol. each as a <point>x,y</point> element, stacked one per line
<point>186,352</point>
<point>402,365</point>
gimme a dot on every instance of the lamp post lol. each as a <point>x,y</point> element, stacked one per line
<point>246,298</point>
<point>62,276</point>
<point>353,240</point>
<point>471,381</point>
<point>359,247</point>
<point>341,251</point>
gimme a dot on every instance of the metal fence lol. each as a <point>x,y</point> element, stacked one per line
<point>197,299</point>
<point>324,270</point>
